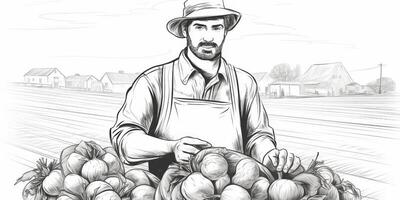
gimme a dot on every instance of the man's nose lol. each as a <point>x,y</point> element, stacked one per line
<point>208,36</point>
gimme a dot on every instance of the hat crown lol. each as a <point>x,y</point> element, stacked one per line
<point>191,6</point>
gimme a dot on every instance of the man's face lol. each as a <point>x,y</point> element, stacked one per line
<point>205,38</point>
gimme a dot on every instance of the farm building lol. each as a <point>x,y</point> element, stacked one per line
<point>263,80</point>
<point>47,77</point>
<point>83,82</point>
<point>328,79</point>
<point>118,82</point>
<point>284,89</point>
<point>353,88</point>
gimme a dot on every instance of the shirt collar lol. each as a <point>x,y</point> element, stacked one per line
<point>186,69</point>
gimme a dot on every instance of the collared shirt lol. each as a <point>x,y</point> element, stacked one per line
<point>140,111</point>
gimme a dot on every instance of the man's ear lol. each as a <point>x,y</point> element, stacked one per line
<point>184,30</point>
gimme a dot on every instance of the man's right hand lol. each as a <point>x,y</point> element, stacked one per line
<point>186,147</point>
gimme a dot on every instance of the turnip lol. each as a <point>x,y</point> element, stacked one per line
<point>221,183</point>
<point>330,191</point>
<point>94,170</point>
<point>138,177</point>
<point>117,183</point>
<point>259,190</point>
<point>74,164</point>
<point>107,195</point>
<point>97,187</point>
<point>214,166</point>
<point>143,192</point>
<point>235,192</point>
<point>53,183</point>
<point>247,172</point>
<point>127,188</point>
<point>326,173</point>
<point>197,187</point>
<point>75,184</point>
<point>285,189</point>
<point>176,192</point>
<point>114,164</point>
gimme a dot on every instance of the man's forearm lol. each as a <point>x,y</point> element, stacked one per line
<point>259,145</point>
<point>136,147</point>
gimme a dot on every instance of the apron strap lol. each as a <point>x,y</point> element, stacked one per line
<point>234,87</point>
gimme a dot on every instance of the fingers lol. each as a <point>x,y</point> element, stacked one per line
<point>189,149</point>
<point>273,157</point>
<point>289,162</point>
<point>296,164</point>
<point>281,159</point>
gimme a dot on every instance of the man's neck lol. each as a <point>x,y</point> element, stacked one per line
<point>208,68</point>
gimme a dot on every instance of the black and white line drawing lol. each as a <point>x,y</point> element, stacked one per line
<point>233,100</point>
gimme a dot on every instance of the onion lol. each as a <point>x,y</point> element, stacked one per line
<point>116,183</point>
<point>285,189</point>
<point>259,190</point>
<point>74,164</point>
<point>53,183</point>
<point>107,195</point>
<point>247,172</point>
<point>138,177</point>
<point>310,182</point>
<point>97,187</point>
<point>113,163</point>
<point>143,192</point>
<point>176,192</point>
<point>128,187</point>
<point>197,187</point>
<point>75,184</point>
<point>326,173</point>
<point>235,192</point>
<point>221,183</point>
<point>214,166</point>
<point>331,192</point>
<point>94,170</point>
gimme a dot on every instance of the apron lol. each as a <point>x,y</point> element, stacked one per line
<point>213,121</point>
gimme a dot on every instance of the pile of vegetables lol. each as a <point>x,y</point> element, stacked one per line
<point>86,171</point>
<point>218,173</point>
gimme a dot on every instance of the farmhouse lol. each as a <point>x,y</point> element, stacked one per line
<point>46,77</point>
<point>353,88</point>
<point>83,82</point>
<point>263,80</point>
<point>285,89</point>
<point>118,82</point>
<point>327,79</point>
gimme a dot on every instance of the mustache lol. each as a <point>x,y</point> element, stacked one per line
<point>207,44</point>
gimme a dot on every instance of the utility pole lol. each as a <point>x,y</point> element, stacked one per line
<point>380,79</point>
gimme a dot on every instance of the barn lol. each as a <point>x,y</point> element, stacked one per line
<point>117,82</point>
<point>285,89</point>
<point>83,82</point>
<point>45,77</point>
<point>353,88</point>
<point>263,80</point>
<point>327,79</point>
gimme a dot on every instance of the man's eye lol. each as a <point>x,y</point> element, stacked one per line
<point>199,27</point>
<point>217,28</point>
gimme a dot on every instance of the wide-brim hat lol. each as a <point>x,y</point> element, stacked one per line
<point>198,9</point>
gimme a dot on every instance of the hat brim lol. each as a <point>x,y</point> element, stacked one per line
<point>174,26</point>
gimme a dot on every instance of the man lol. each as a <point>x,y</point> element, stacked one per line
<point>196,101</point>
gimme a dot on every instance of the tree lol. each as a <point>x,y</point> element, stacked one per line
<point>283,72</point>
<point>388,85</point>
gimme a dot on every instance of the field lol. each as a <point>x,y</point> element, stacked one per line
<point>355,134</point>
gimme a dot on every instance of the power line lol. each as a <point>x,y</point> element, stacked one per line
<point>365,69</point>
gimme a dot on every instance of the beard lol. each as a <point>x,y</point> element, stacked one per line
<point>205,50</point>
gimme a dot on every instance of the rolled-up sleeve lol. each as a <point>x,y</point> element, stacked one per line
<point>260,135</point>
<point>135,116</point>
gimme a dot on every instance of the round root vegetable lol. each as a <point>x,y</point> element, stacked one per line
<point>235,192</point>
<point>74,164</point>
<point>285,189</point>
<point>221,183</point>
<point>310,183</point>
<point>197,187</point>
<point>94,170</point>
<point>326,173</point>
<point>114,164</point>
<point>127,188</point>
<point>67,196</point>
<point>176,192</point>
<point>138,177</point>
<point>331,192</point>
<point>259,190</point>
<point>75,184</point>
<point>97,187</point>
<point>247,172</point>
<point>143,192</point>
<point>53,183</point>
<point>107,195</point>
<point>117,183</point>
<point>214,166</point>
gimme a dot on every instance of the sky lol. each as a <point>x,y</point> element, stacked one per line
<point>97,36</point>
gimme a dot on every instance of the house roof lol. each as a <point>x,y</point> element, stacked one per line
<point>353,84</point>
<point>324,73</point>
<point>121,78</point>
<point>79,78</point>
<point>40,71</point>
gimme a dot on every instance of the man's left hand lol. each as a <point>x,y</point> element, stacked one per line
<point>281,160</point>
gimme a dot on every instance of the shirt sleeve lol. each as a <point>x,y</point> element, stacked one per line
<point>135,116</point>
<point>260,137</point>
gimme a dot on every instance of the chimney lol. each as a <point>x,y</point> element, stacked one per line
<point>121,71</point>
